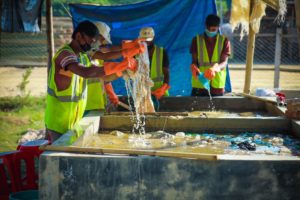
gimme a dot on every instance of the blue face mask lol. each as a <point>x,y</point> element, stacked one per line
<point>210,34</point>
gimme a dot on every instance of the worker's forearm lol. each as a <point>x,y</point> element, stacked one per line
<point>223,63</point>
<point>87,72</point>
<point>109,78</point>
<point>115,48</point>
<point>107,56</point>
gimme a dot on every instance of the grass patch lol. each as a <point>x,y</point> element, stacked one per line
<point>17,115</point>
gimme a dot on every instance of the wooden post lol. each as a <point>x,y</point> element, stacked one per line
<point>0,26</point>
<point>50,38</point>
<point>297,12</point>
<point>277,56</point>
<point>249,58</point>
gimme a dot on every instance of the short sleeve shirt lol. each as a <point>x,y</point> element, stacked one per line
<point>210,45</point>
<point>65,58</point>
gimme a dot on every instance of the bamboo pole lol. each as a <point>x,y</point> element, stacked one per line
<point>124,105</point>
<point>74,149</point>
<point>297,12</point>
<point>277,57</point>
<point>0,27</point>
<point>50,38</point>
<point>250,56</point>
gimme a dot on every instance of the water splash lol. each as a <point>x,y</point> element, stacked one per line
<point>138,87</point>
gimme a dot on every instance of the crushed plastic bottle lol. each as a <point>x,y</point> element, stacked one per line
<point>205,82</point>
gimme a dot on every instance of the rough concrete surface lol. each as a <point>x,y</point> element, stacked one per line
<point>83,176</point>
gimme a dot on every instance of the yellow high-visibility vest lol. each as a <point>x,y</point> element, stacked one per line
<point>65,108</point>
<point>205,63</point>
<point>156,73</point>
<point>96,97</point>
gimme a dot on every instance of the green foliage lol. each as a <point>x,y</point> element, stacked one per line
<point>59,10</point>
<point>25,81</point>
<point>15,104</point>
<point>8,104</point>
<point>26,113</point>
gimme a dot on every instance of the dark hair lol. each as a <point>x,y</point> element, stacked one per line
<point>212,20</point>
<point>87,27</point>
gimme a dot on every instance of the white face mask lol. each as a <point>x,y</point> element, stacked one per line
<point>104,43</point>
<point>95,45</point>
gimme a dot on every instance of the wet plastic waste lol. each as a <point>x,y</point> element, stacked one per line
<point>205,82</point>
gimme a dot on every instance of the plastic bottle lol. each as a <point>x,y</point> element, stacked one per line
<point>205,82</point>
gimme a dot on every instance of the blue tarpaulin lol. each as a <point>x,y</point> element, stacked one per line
<point>175,23</point>
<point>21,16</point>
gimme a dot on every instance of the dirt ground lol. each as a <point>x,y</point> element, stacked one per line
<point>10,77</point>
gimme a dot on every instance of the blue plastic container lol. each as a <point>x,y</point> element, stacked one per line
<point>205,82</point>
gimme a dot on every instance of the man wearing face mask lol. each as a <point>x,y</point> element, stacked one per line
<point>210,53</point>
<point>101,52</point>
<point>66,92</point>
<point>159,66</point>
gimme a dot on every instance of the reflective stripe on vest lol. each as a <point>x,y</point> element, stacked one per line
<point>205,62</point>
<point>66,98</point>
<point>96,97</point>
<point>156,73</point>
<point>65,108</point>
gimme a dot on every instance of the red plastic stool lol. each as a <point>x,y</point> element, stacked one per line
<point>28,152</point>
<point>8,183</point>
<point>33,146</point>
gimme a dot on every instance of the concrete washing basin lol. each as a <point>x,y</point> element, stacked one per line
<point>71,171</point>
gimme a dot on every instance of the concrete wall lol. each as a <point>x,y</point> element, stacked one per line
<point>229,103</point>
<point>83,176</point>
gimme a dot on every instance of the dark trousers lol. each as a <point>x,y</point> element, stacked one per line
<point>204,92</point>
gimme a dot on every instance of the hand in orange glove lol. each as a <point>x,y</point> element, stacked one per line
<point>211,72</point>
<point>128,44</point>
<point>113,98</point>
<point>131,52</point>
<point>195,71</point>
<point>114,67</point>
<point>132,64</point>
<point>119,67</point>
<point>159,92</point>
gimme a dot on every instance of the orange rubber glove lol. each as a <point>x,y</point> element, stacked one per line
<point>114,67</point>
<point>132,48</point>
<point>113,98</point>
<point>211,72</point>
<point>195,71</point>
<point>132,64</point>
<point>131,52</point>
<point>119,67</point>
<point>159,92</point>
<point>128,44</point>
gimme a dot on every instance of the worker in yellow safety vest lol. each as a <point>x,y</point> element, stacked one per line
<point>97,88</point>
<point>210,52</point>
<point>159,66</point>
<point>66,88</point>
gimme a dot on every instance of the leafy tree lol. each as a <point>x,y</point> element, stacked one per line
<point>59,10</point>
